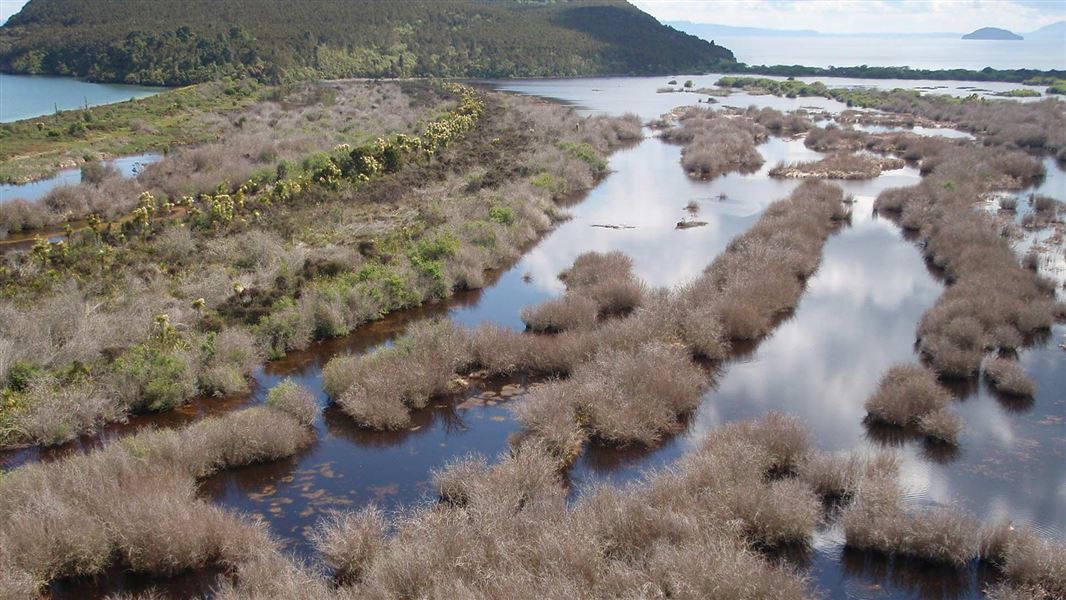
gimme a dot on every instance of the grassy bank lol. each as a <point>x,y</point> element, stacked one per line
<point>38,147</point>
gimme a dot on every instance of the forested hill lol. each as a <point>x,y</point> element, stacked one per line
<point>176,42</point>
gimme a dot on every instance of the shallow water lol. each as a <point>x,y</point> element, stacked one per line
<point>857,317</point>
<point>127,166</point>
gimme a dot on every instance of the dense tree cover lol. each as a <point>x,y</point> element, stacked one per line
<point>171,42</point>
<point>1028,76</point>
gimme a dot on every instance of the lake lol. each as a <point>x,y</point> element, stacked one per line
<point>28,96</point>
<point>917,52</point>
<point>857,317</point>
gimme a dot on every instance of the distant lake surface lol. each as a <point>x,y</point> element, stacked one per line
<point>917,52</point>
<point>27,96</point>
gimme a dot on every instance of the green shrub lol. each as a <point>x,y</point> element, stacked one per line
<point>20,375</point>
<point>502,215</point>
<point>163,378</point>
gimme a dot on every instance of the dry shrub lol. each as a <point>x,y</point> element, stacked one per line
<point>760,274</point>
<point>838,476</point>
<point>992,301</point>
<point>294,399</point>
<point>569,312</point>
<point>382,386</point>
<point>1029,564</point>
<point>943,425</point>
<point>634,396</point>
<point>715,144</point>
<point>878,521</point>
<point>349,542</point>
<point>53,413</point>
<point>1008,377</point>
<point>507,531</point>
<point>838,166</point>
<point>134,503</point>
<point>905,394</point>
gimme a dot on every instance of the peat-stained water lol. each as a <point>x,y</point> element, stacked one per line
<point>857,317</point>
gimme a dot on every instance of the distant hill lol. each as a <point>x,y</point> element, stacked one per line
<point>1053,31</point>
<point>992,33</point>
<point>175,42</point>
<point>710,31</point>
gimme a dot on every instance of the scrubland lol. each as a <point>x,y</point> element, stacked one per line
<point>133,503</point>
<point>628,376</point>
<point>992,304</point>
<point>185,295</point>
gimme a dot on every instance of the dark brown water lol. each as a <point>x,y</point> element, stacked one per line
<point>857,317</point>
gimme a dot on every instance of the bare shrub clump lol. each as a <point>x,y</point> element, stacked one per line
<point>378,389</point>
<point>295,400</point>
<point>134,503</point>
<point>507,530</point>
<point>838,166</point>
<point>761,273</point>
<point>715,144</point>
<point>909,395</point>
<point>1033,567</point>
<point>349,542</point>
<point>877,520</point>
<point>1008,377</point>
<point>992,302</point>
<point>571,311</point>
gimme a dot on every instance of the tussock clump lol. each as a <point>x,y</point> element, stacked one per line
<point>878,521</point>
<point>134,502</point>
<point>634,396</point>
<point>838,476</point>
<point>760,275</point>
<point>989,293</point>
<point>715,144</point>
<point>704,332</point>
<point>620,396</point>
<point>909,395</point>
<point>569,312</point>
<point>833,138</point>
<point>1008,377</point>
<point>550,416</point>
<point>383,385</point>
<point>506,530</point>
<point>943,425</point>
<point>838,166</point>
<point>294,399</point>
<point>1030,565</point>
<point>349,542</point>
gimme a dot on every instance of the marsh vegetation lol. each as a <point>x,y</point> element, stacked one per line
<point>189,300</point>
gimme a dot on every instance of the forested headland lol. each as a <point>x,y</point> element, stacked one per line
<point>166,42</point>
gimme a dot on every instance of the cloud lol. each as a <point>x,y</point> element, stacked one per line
<point>853,16</point>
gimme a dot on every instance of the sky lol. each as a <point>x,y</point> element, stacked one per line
<point>837,16</point>
<point>854,16</point>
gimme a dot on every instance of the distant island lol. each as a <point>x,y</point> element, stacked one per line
<point>992,33</point>
<point>190,41</point>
